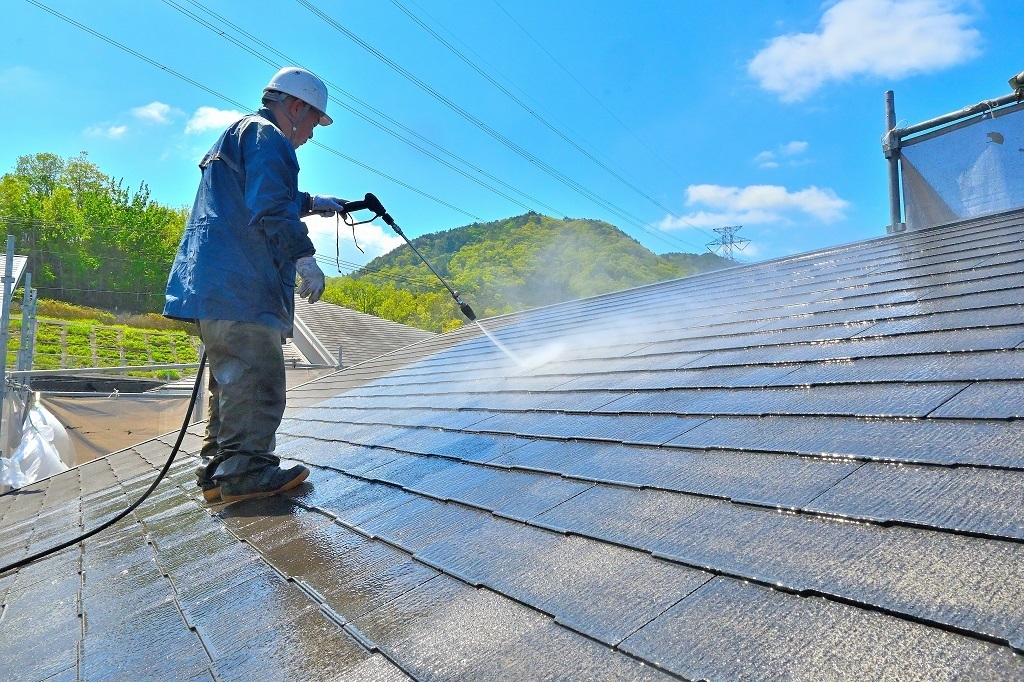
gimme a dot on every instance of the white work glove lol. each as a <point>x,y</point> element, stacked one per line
<point>325,205</point>
<point>312,278</point>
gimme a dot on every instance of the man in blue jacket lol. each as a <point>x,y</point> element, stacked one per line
<point>234,275</point>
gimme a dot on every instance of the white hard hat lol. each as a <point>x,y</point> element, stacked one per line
<point>298,82</point>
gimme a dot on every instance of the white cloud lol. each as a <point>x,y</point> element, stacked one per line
<point>373,238</point>
<point>793,148</point>
<point>112,132</point>
<point>885,38</point>
<point>206,118</point>
<point>755,205</point>
<point>766,159</point>
<point>155,112</point>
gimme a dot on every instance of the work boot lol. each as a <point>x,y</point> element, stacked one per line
<point>211,491</point>
<point>263,483</point>
<point>204,478</point>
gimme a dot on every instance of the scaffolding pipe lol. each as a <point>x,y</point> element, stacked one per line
<point>93,370</point>
<point>894,136</point>
<point>5,329</point>
<point>891,150</point>
<point>26,299</point>
<point>31,343</point>
<point>980,107</point>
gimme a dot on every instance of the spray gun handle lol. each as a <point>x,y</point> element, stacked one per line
<point>372,203</point>
<point>369,202</point>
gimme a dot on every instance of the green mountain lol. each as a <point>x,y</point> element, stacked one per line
<point>508,265</point>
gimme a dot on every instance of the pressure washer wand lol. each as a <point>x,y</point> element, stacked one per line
<point>372,203</point>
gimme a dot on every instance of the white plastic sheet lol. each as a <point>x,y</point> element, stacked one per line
<point>61,440</point>
<point>37,456</point>
<point>967,170</point>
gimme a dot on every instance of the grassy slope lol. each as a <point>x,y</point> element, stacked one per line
<point>89,329</point>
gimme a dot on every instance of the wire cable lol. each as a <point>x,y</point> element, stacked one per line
<point>362,103</point>
<point>233,102</point>
<point>533,113</point>
<point>584,88</point>
<point>286,60</point>
<point>277,65</point>
<point>469,62</point>
<point>547,168</point>
<point>572,184</point>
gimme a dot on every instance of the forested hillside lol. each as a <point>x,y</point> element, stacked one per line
<point>89,239</point>
<point>507,265</point>
<point>92,241</point>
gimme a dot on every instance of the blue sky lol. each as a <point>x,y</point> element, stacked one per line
<point>766,115</point>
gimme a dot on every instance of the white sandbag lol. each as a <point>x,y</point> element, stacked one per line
<point>61,440</point>
<point>36,456</point>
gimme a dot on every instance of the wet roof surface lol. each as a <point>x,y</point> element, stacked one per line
<point>803,469</point>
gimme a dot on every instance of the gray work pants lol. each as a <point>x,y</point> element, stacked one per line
<point>247,394</point>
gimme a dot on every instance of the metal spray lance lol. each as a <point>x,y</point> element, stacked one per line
<point>372,203</point>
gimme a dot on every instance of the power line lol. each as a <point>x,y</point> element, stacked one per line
<point>354,111</point>
<point>584,88</point>
<point>512,83</point>
<point>547,168</point>
<point>546,123</point>
<point>668,210</point>
<point>553,172</point>
<point>394,180</point>
<point>334,87</point>
<point>233,102</point>
<point>509,80</point>
<point>362,103</point>
<point>528,109</point>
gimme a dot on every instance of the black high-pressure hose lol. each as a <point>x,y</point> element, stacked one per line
<point>107,524</point>
<point>369,202</point>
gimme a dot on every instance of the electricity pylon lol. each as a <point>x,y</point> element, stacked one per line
<point>728,241</point>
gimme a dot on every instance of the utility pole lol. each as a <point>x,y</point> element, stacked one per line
<point>728,241</point>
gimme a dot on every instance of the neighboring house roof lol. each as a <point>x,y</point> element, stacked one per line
<point>18,265</point>
<point>807,468</point>
<point>359,336</point>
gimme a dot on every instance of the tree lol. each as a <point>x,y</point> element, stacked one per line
<point>83,178</point>
<point>89,239</point>
<point>41,171</point>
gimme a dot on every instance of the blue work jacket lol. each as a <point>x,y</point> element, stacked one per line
<point>237,257</point>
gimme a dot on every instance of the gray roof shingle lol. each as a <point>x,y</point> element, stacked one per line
<point>358,335</point>
<point>809,468</point>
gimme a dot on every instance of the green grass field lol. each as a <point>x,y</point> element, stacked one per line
<point>85,337</point>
